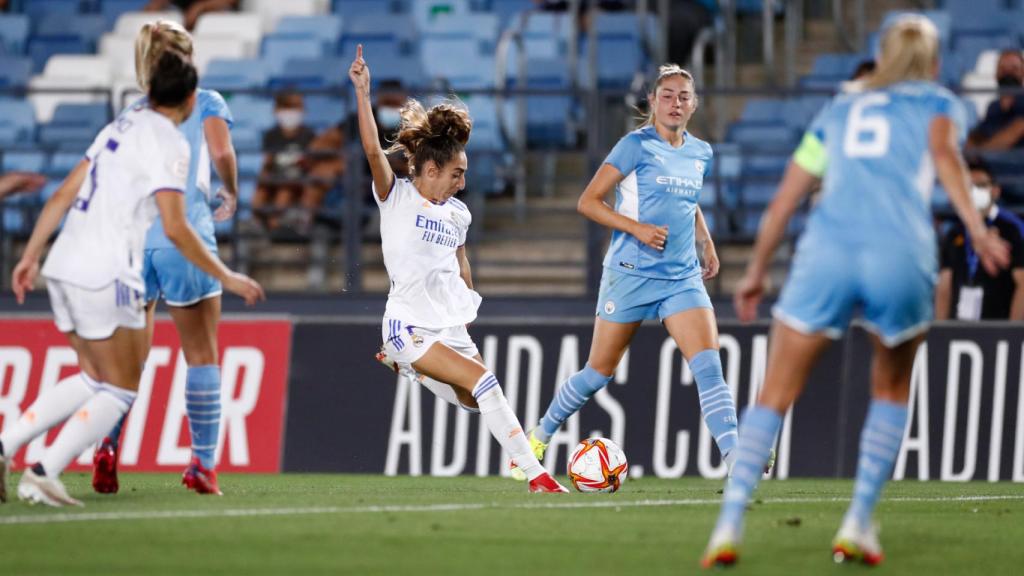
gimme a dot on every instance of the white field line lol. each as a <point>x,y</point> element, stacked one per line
<point>61,518</point>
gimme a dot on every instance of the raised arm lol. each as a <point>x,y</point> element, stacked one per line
<point>25,272</point>
<point>592,205</point>
<point>993,251</point>
<point>383,176</point>
<point>225,162</point>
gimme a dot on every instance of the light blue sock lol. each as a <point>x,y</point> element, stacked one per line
<point>716,402</point>
<point>570,397</point>
<point>757,435</point>
<point>202,403</point>
<point>879,445</point>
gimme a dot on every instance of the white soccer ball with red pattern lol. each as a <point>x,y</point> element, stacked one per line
<point>597,465</point>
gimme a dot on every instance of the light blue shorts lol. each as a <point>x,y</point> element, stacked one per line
<point>171,276</point>
<point>894,290</point>
<point>626,298</point>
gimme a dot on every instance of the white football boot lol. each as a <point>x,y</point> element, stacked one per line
<point>36,489</point>
<point>856,543</point>
<point>723,548</point>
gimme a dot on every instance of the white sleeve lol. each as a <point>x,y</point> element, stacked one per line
<point>171,171</point>
<point>391,201</point>
<point>98,143</point>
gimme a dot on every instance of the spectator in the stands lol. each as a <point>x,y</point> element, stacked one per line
<point>14,182</point>
<point>965,290</point>
<point>284,169</point>
<point>326,160</point>
<point>1003,126</point>
<point>686,18</point>
<point>192,9</point>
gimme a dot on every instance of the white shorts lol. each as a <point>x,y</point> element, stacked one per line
<point>406,344</point>
<point>96,314</point>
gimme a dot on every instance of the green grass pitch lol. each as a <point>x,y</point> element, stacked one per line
<point>348,524</point>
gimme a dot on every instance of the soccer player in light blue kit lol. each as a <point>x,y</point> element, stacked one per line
<point>869,244</point>
<point>193,297</point>
<point>651,269</point>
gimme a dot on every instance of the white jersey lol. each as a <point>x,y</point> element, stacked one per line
<point>102,241</point>
<point>420,239</point>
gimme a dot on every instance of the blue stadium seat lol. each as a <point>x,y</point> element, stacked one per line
<point>389,63</point>
<point>979,16</point>
<point>765,166</point>
<point>470,70</point>
<point>62,162</point>
<point>74,125</point>
<point>23,161</point>
<point>35,9</point>
<point>253,115</point>
<point>40,49</point>
<point>486,136</point>
<point>801,111</point>
<point>754,136</point>
<point>111,9</point>
<point>17,122</point>
<point>228,75</point>
<point>619,60</point>
<point>86,27</point>
<point>764,110</point>
<point>323,111</point>
<point>278,49</point>
<point>14,219</point>
<point>249,164</point>
<point>349,7</point>
<point>378,31</point>
<point>313,73</point>
<point>837,65</point>
<point>14,29</point>
<point>758,193</point>
<point>15,71</point>
<point>325,27</point>
<point>485,28</point>
<point>426,12</point>
<point>507,9</point>
<point>547,116</point>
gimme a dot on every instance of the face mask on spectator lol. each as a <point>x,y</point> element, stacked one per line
<point>390,118</point>
<point>1009,81</point>
<point>289,118</point>
<point>981,197</point>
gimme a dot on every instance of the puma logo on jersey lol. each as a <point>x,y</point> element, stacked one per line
<point>660,159</point>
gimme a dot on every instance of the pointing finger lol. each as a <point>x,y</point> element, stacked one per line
<point>359,52</point>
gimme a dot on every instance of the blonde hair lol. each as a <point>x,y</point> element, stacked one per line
<point>909,51</point>
<point>153,40</point>
<point>437,134</point>
<point>664,71</point>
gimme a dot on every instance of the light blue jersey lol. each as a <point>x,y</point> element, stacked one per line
<point>661,187</point>
<point>209,104</point>
<point>870,242</point>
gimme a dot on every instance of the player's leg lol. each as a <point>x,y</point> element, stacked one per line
<point>446,365</point>
<point>696,335</point>
<point>118,361</point>
<point>791,356</point>
<point>606,350</point>
<point>104,459</point>
<point>880,441</point>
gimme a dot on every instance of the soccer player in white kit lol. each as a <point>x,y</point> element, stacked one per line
<point>423,231</point>
<point>139,166</point>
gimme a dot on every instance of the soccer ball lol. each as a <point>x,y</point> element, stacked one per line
<point>597,465</point>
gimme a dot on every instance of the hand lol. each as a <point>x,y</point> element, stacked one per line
<point>651,235</point>
<point>993,251</point>
<point>711,264</point>
<point>748,295</point>
<point>359,73</point>
<point>246,287</point>
<point>24,278</point>
<point>228,204</point>
<point>20,182</point>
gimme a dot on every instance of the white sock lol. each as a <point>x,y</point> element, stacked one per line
<point>51,408</point>
<point>504,426</point>
<point>87,426</point>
